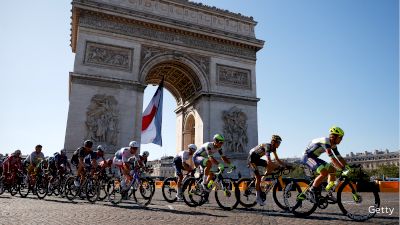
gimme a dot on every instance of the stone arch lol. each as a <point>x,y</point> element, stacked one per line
<point>183,78</point>
<point>189,130</point>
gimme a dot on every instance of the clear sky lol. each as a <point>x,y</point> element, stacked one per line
<point>324,62</point>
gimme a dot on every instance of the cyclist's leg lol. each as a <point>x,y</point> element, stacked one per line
<point>178,171</point>
<point>322,168</point>
<point>207,173</point>
<point>254,162</point>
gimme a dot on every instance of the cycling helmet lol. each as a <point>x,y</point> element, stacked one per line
<point>17,152</point>
<point>100,153</point>
<point>100,148</point>
<point>56,154</point>
<point>219,137</point>
<point>63,151</point>
<point>276,138</point>
<point>88,143</point>
<point>337,130</point>
<point>192,147</point>
<point>134,144</point>
<point>145,154</point>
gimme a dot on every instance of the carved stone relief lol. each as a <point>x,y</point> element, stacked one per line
<point>102,120</point>
<point>136,30</point>
<point>232,76</point>
<point>108,56</point>
<point>195,16</point>
<point>235,130</point>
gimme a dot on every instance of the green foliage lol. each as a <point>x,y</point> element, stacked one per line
<point>384,171</point>
<point>298,172</point>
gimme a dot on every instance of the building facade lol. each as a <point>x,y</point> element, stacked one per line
<point>163,167</point>
<point>371,160</point>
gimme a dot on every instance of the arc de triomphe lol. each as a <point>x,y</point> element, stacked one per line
<point>206,55</point>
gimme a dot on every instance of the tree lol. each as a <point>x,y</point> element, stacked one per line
<point>385,171</point>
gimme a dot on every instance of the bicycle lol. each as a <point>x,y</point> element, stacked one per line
<point>353,189</point>
<point>89,187</point>
<point>170,188</point>
<point>226,191</point>
<point>275,183</point>
<point>140,188</point>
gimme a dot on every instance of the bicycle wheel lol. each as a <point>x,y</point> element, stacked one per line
<point>103,194</point>
<point>356,200</point>
<point>24,186</point>
<point>2,188</point>
<point>297,201</point>
<point>247,192</point>
<point>278,195</point>
<point>92,190</point>
<point>14,189</point>
<point>54,186</point>
<point>227,194</point>
<point>61,187</point>
<point>70,190</point>
<point>41,187</point>
<point>192,192</point>
<point>143,192</point>
<point>169,189</point>
<point>114,191</point>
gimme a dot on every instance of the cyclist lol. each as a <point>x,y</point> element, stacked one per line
<point>99,154</point>
<point>12,164</point>
<point>254,161</point>
<point>205,157</point>
<point>77,159</point>
<point>183,161</point>
<point>33,159</point>
<point>61,161</point>
<point>103,165</point>
<point>311,159</point>
<point>142,159</point>
<point>123,158</point>
<point>1,163</point>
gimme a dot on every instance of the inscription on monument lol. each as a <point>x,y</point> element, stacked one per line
<point>108,56</point>
<point>232,76</point>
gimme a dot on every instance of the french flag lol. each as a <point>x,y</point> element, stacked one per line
<point>152,118</point>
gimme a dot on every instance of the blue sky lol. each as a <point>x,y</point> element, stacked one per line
<point>323,63</point>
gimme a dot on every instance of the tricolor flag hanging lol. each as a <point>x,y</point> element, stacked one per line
<point>152,118</point>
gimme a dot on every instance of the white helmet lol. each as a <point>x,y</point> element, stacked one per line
<point>192,146</point>
<point>134,144</point>
<point>146,154</point>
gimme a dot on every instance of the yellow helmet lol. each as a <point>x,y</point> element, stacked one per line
<point>337,130</point>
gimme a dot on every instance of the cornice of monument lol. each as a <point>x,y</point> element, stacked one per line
<point>214,9</point>
<point>165,24</point>
<point>102,81</point>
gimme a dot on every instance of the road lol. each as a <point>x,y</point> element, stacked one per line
<point>56,210</point>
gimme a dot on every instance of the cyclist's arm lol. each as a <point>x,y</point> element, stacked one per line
<point>278,160</point>
<point>339,157</point>
<point>268,156</point>
<point>223,157</point>
<point>335,162</point>
<point>211,156</point>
